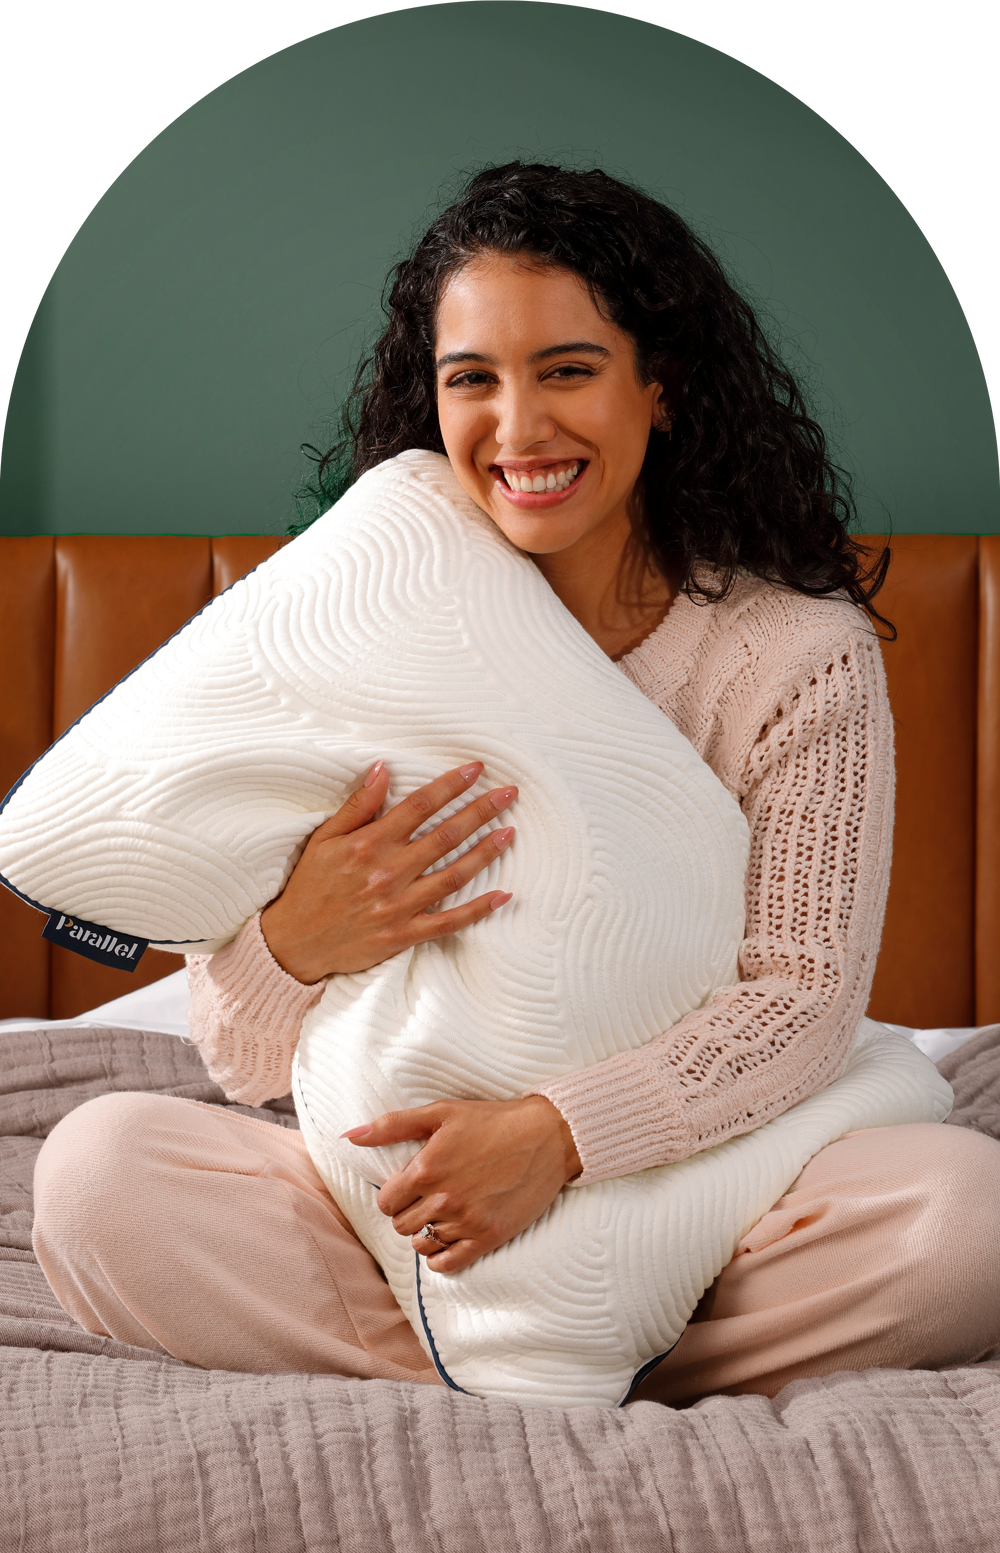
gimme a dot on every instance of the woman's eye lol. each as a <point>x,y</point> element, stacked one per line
<point>570,369</point>
<point>469,380</point>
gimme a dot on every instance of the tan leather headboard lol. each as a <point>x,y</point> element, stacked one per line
<point>927,966</point>
<point>988,798</point>
<point>78,613</point>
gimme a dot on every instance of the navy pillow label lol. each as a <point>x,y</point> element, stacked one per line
<point>95,942</point>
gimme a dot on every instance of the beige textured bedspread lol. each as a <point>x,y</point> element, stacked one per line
<point>107,1448</point>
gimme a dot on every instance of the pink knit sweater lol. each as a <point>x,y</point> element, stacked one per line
<point>784,697</point>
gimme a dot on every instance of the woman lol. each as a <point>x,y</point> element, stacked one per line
<point>610,402</point>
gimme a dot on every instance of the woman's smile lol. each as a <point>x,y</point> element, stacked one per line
<point>544,484</point>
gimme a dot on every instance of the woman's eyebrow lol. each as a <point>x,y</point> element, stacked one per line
<point>453,356</point>
<point>571,347</point>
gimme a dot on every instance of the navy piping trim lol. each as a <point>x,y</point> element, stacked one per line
<point>179,943</point>
<point>640,1374</point>
<point>434,1353</point>
<point>638,1377</point>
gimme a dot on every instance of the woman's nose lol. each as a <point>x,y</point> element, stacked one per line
<point>522,420</point>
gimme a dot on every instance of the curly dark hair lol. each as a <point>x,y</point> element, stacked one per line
<point>743,483</point>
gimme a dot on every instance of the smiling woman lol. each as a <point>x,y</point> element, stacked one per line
<point>550,438</point>
<point>610,402</point>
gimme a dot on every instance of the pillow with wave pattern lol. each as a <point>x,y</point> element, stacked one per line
<point>403,625</point>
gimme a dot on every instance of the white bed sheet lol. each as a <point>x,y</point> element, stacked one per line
<point>163,1005</point>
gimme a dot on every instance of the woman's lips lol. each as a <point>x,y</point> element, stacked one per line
<point>547,498</point>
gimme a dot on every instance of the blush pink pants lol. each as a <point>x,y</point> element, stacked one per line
<point>208,1235</point>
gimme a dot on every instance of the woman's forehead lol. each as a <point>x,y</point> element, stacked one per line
<point>496,302</point>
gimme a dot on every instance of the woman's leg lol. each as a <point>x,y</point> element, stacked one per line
<point>884,1253</point>
<point>208,1235</point>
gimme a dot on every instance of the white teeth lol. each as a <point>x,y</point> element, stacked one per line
<point>556,480</point>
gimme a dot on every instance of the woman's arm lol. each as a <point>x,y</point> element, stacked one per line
<point>246,1014</point>
<point>362,890</point>
<point>815,780</point>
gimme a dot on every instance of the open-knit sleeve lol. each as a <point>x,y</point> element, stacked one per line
<point>246,1014</point>
<point>791,712</point>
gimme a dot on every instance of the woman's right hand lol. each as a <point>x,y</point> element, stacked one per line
<point>356,896</point>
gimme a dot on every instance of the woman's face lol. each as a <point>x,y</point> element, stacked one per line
<point>543,417</point>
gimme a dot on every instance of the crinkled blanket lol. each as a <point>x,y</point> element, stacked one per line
<point>108,1448</point>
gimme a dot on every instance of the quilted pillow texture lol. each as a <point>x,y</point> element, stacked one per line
<point>402,625</point>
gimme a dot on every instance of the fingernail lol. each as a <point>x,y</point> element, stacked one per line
<point>357,1132</point>
<point>503,798</point>
<point>369,782</point>
<point>468,772</point>
<point>499,900</point>
<point>501,837</point>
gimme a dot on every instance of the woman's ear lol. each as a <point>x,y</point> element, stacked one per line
<point>663,415</point>
<point>668,388</point>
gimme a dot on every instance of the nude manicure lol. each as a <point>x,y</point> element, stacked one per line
<point>373,773</point>
<point>468,772</point>
<point>503,798</point>
<point>501,837</point>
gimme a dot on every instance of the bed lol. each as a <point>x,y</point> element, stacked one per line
<point>108,1447</point>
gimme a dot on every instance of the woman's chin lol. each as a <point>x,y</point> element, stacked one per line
<point>539,529</point>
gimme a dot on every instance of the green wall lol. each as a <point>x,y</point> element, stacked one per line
<point>202,323</point>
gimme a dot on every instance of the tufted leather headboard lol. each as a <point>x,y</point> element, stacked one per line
<point>77,613</point>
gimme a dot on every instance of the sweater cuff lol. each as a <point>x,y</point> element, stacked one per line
<point>615,1111</point>
<point>246,1016</point>
<point>247,968</point>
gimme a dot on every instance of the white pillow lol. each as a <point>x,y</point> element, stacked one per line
<point>575,1310</point>
<point>403,625</point>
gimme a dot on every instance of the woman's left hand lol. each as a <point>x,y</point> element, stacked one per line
<point>488,1169</point>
